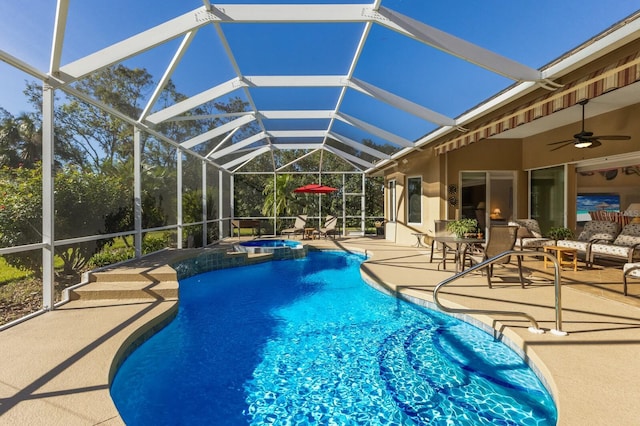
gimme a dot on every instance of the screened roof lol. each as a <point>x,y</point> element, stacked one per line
<point>359,81</point>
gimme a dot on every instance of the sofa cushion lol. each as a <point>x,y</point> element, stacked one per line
<point>602,236</point>
<point>531,224</point>
<point>599,230</point>
<point>581,246</point>
<point>523,232</point>
<point>629,236</point>
<point>613,250</point>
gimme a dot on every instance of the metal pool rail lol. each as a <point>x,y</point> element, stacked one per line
<point>534,324</point>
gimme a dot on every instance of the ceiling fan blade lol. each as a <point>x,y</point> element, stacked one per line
<point>559,142</point>
<point>612,137</point>
<point>595,143</point>
<point>566,143</point>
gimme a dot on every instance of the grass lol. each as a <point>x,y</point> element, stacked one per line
<point>9,274</point>
<point>20,293</point>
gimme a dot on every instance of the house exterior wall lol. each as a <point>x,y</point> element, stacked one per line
<point>487,155</point>
<point>427,166</point>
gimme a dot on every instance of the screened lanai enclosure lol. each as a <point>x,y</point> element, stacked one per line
<point>128,127</point>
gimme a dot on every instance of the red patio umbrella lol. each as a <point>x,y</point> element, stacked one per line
<point>315,188</point>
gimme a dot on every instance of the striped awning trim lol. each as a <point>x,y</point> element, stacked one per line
<point>622,73</point>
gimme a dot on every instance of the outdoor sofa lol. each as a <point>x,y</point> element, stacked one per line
<point>595,231</point>
<point>625,247</point>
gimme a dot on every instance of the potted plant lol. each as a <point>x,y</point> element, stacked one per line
<point>461,227</point>
<point>560,233</point>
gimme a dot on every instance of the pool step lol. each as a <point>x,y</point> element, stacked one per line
<point>149,282</point>
<point>132,274</point>
<point>122,290</point>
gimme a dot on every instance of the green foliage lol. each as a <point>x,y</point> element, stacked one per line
<point>280,196</point>
<point>560,233</point>
<point>462,226</point>
<point>81,200</point>
<point>112,255</point>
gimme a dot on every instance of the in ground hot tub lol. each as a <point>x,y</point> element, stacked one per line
<point>281,249</point>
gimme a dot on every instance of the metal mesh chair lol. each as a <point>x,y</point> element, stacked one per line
<point>499,240</point>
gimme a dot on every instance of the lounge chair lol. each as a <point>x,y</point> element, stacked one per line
<point>501,238</point>
<point>329,227</point>
<point>298,226</point>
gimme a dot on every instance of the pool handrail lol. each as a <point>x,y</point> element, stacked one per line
<point>534,324</point>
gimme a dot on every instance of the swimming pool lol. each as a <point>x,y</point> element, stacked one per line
<point>307,342</point>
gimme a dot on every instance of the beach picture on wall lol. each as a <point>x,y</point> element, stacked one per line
<point>592,202</point>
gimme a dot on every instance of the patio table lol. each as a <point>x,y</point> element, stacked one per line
<point>459,247</point>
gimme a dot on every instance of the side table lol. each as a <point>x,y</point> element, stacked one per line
<point>571,258</point>
<point>418,236</point>
<point>309,233</point>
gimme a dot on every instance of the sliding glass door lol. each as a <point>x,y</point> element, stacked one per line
<point>547,197</point>
<point>487,197</point>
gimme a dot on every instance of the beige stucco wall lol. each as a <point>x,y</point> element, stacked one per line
<point>499,154</point>
<point>427,165</point>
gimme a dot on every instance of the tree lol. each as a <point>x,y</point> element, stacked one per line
<point>105,139</point>
<point>83,199</point>
<point>20,140</point>
<point>278,196</point>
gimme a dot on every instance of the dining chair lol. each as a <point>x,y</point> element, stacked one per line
<point>501,238</point>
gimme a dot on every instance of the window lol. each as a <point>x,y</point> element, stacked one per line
<point>391,201</point>
<point>414,199</point>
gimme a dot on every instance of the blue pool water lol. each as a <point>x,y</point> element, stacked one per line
<point>306,342</point>
<point>271,243</point>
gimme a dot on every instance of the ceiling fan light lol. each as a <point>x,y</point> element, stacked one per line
<point>583,144</point>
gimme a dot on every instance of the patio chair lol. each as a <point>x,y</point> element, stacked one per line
<point>529,234</point>
<point>501,238</point>
<point>329,227</point>
<point>298,226</point>
<point>630,270</point>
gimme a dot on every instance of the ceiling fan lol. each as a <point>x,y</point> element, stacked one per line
<point>586,139</point>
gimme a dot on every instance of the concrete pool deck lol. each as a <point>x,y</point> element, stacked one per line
<point>56,368</point>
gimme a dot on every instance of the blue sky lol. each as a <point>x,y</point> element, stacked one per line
<point>533,33</point>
